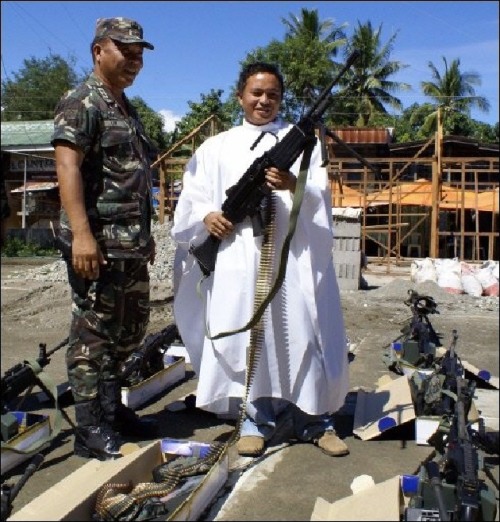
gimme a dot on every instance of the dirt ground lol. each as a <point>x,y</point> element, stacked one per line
<point>35,311</point>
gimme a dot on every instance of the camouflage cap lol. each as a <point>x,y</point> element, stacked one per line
<point>121,29</point>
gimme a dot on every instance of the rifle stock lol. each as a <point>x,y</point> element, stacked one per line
<point>148,358</point>
<point>245,197</point>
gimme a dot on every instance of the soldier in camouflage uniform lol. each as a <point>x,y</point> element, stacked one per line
<point>102,161</point>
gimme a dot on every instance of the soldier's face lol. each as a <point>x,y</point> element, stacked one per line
<point>261,98</point>
<point>118,64</point>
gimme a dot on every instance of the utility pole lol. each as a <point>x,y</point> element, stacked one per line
<point>436,187</point>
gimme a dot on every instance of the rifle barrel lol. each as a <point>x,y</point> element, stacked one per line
<point>59,346</point>
<point>320,103</point>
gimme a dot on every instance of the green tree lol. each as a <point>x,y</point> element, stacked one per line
<point>210,104</point>
<point>37,87</point>
<point>305,58</point>
<point>309,27</point>
<point>408,125</point>
<point>152,121</point>
<point>454,92</point>
<point>369,82</point>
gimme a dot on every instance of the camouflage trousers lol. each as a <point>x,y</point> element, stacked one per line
<point>109,320</point>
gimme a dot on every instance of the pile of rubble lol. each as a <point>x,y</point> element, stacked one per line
<point>161,270</point>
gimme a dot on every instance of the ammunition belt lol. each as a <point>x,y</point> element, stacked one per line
<point>122,501</point>
<point>262,287</point>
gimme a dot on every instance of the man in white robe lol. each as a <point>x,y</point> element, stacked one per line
<point>303,363</point>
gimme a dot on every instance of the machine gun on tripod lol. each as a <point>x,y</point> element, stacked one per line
<point>416,346</point>
<point>420,328</point>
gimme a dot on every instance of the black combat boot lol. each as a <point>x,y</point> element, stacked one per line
<point>94,438</point>
<point>122,418</point>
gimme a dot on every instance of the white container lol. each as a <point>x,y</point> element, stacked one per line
<point>138,394</point>
<point>37,428</point>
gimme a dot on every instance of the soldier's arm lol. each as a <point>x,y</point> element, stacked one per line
<point>86,254</point>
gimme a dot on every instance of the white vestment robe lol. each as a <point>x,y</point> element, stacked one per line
<point>303,358</point>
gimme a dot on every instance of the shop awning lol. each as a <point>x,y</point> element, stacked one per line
<point>35,186</point>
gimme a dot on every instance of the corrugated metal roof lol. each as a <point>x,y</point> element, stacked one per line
<point>26,133</point>
<point>363,135</point>
<point>458,146</point>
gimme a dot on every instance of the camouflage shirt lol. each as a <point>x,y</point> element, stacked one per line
<point>115,170</point>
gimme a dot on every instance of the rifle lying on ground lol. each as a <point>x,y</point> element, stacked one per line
<point>17,380</point>
<point>148,358</point>
<point>245,197</point>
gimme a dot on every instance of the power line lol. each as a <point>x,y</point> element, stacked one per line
<point>4,68</point>
<point>26,15</point>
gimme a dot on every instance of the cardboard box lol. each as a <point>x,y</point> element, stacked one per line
<point>37,427</point>
<point>487,402</point>
<point>427,425</point>
<point>483,374</point>
<point>74,497</point>
<point>385,501</point>
<point>139,394</point>
<point>385,408</point>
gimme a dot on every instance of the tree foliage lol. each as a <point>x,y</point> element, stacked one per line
<point>309,27</point>
<point>370,87</point>
<point>34,91</point>
<point>152,121</point>
<point>209,104</point>
<point>307,40</point>
<point>454,94</point>
<point>363,97</point>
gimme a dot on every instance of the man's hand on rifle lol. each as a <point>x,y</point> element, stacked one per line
<point>280,179</point>
<point>218,225</point>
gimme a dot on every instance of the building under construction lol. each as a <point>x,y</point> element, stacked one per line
<point>435,198</point>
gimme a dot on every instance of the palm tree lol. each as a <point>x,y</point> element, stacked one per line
<point>369,82</point>
<point>314,42</point>
<point>453,92</point>
<point>309,27</point>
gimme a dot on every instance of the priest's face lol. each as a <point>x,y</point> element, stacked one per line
<point>261,98</point>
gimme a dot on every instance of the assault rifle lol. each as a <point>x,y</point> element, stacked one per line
<point>148,358</point>
<point>427,391</point>
<point>450,488</point>
<point>24,375</point>
<point>452,369</point>
<point>245,197</point>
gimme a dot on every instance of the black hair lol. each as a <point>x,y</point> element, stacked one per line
<point>259,67</point>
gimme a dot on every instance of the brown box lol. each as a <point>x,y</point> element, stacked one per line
<point>74,497</point>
